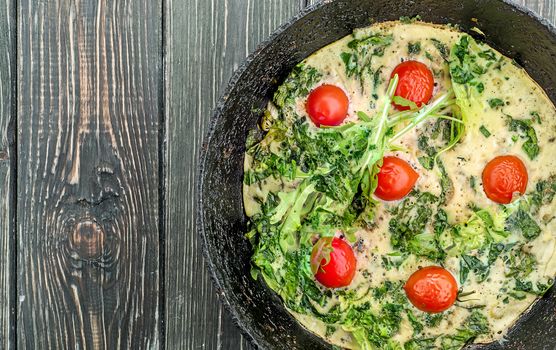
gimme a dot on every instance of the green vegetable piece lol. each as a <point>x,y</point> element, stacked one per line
<point>414,48</point>
<point>469,263</point>
<point>473,326</point>
<point>521,222</point>
<point>298,83</point>
<point>525,129</point>
<point>441,47</point>
<point>495,103</point>
<point>484,131</point>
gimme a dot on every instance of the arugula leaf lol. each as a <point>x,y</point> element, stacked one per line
<point>330,176</point>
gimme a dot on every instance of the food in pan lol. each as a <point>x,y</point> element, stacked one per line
<point>400,190</point>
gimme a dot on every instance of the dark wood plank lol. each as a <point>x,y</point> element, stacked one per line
<point>7,157</point>
<point>206,42</point>
<point>89,78</point>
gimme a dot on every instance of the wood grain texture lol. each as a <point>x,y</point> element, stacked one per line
<point>7,64</point>
<point>89,75</point>
<point>206,42</point>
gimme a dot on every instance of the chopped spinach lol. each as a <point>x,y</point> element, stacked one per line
<point>495,103</point>
<point>544,193</point>
<point>408,224</point>
<point>358,61</point>
<point>442,48</point>
<point>473,326</point>
<point>470,263</point>
<point>298,83</point>
<point>521,222</point>
<point>414,48</point>
<point>525,129</point>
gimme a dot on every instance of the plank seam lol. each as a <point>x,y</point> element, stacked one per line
<point>13,155</point>
<point>162,179</point>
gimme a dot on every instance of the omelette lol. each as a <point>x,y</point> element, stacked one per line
<point>400,187</point>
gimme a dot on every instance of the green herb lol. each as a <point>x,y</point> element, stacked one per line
<point>469,60</point>
<point>469,263</point>
<point>519,264</point>
<point>521,222</point>
<point>473,183</point>
<point>417,326</point>
<point>409,20</point>
<point>297,84</point>
<point>484,131</point>
<point>495,103</point>
<point>473,326</point>
<point>433,320</point>
<point>358,62</point>
<point>329,331</point>
<point>331,173</point>
<point>524,128</point>
<point>414,48</point>
<point>442,48</point>
<point>544,193</point>
<point>536,117</point>
<point>408,223</point>
<point>488,55</point>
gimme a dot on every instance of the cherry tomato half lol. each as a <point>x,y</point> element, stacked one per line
<point>415,83</point>
<point>431,289</point>
<point>327,105</point>
<point>340,268</point>
<point>395,179</point>
<point>502,177</point>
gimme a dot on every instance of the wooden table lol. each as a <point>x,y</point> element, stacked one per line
<point>103,105</point>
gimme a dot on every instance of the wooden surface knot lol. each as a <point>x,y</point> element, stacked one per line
<point>88,239</point>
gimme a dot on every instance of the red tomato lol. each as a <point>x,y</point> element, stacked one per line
<point>502,177</point>
<point>415,83</point>
<point>431,289</point>
<point>395,179</point>
<point>340,268</point>
<point>327,105</point>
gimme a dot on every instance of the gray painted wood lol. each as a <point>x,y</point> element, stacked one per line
<point>206,41</point>
<point>7,64</point>
<point>89,78</point>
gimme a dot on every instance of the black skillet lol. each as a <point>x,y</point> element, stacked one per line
<point>512,29</point>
